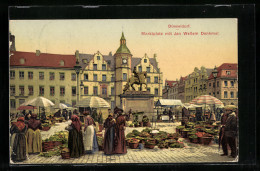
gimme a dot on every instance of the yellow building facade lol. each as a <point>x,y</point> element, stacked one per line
<point>53,76</point>
<point>196,83</point>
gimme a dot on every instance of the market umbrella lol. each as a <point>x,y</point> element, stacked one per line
<point>26,107</point>
<point>60,106</point>
<point>93,102</point>
<point>206,99</point>
<point>39,102</point>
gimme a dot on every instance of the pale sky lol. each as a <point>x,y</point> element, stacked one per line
<point>177,55</point>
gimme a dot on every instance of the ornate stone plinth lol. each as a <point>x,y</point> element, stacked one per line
<point>141,101</point>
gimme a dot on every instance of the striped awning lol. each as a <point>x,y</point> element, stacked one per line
<point>206,99</point>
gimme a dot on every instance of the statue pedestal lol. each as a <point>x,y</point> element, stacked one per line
<point>141,101</point>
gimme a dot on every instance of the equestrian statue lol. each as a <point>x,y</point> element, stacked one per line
<point>138,78</point>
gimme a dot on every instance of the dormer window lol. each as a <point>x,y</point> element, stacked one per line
<point>84,61</point>
<point>98,57</point>
<point>228,72</point>
<point>145,60</point>
<point>61,63</point>
<point>22,61</point>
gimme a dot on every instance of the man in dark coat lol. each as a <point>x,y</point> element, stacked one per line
<point>109,126</point>
<point>170,115</point>
<point>230,132</point>
<point>120,144</point>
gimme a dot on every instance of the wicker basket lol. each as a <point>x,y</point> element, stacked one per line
<point>65,155</point>
<point>133,145</point>
<point>46,128</point>
<point>47,146</point>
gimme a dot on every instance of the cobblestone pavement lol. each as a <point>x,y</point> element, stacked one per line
<point>191,153</point>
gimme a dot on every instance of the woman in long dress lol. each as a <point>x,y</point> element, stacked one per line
<point>34,139</point>
<point>89,135</point>
<point>18,140</point>
<point>109,126</point>
<point>120,144</point>
<point>75,139</point>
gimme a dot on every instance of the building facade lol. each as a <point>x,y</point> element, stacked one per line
<point>181,89</point>
<point>53,75</point>
<point>225,85</point>
<point>196,83</point>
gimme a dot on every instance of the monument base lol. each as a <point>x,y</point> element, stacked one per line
<point>138,101</point>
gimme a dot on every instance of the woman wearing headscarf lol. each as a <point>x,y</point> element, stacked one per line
<point>120,144</point>
<point>109,126</point>
<point>34,139</point>
<point>75,139</point>
<point>89,135</point>
<point>18,140</point>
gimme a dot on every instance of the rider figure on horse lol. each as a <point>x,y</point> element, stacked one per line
<point>136,74</point>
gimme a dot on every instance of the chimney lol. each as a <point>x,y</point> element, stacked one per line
<point>38,52</point>
<point>12,40</point>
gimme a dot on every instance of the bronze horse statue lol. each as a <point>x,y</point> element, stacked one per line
<point>134,80</point>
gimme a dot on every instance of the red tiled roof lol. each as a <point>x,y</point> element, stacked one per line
<point>170,83</point>
<point>232,67</point>
<point>43,60</point>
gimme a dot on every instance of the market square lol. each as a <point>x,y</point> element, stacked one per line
<point>80,108</point>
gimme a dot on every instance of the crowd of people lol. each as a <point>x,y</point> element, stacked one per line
<point>25,138</point>
<point>82,139</point>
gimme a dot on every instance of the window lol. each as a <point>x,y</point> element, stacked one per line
<point>148,89</point>
<point>62,91</point>
<point>30,88</point>
<point>73,91</point>
<point>145,60</point>
<point>217,92</point>
<point>112,77</point>
<point>148,69</point>
<point>21,101</point>
<point>12,74</point>
<point>104,78</point>
<point>86,77</point>
<point>217,83</point>
<point>231,94</point>
<point>140,68</point>
<point>214,94</point>
<point>62,76</point>
<point>95,90</point>
<point>225,83</point>
<point>52,75</point>
<point>98,57</point>
<point>12,102</point>
<point>232,83</point>
<point>95,67</point>
<point>61,63</point>
<point>104,67</point>
<point>209,84</point>
<point>41,92</point>
<point>104,91</point>
<point>73,77</point>
<point>156,91</point>
<point>41,75</point>
<point>112,91</point>
<point>155,79</point>
<point>209,93</point>
<point>148,79</point>
<point>85,90</point>
<point>30,75</point>
<point>73,102</point>
<point>21,75</point>
<point>225,94</point>
<point>213,85</point>
<point>228,72</point>
<point>95,77</point>
<point>12,90</point>
<point>124,76</point>
<point>52,91</point>
<point>21,90</point>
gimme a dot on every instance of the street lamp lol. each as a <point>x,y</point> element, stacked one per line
<point>77,69</point>
<point>215,74</point>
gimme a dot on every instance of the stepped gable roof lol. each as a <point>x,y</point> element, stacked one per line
<point>137,60</point>
<point>89,57</point>
<point>30,59</point>
<point>232,67</point>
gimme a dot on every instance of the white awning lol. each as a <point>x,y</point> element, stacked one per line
<point>168,102</point>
